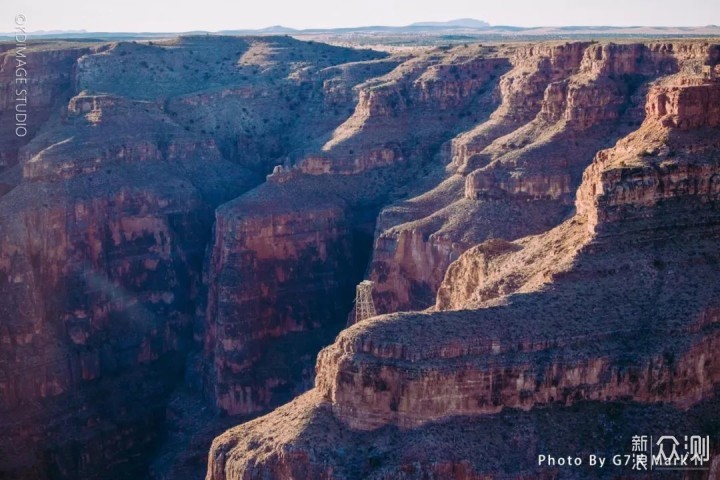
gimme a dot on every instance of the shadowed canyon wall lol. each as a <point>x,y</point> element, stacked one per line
<point>107,217</point>
<point>178,246</point>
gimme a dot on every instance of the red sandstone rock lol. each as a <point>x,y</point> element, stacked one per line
<point>49,83</point>
<point>105,224</point>
<point>617,304</point>
<point>524,163</point>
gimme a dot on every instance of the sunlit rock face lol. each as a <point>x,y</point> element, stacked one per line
<point>182,230</point>
<point>282,251</point>
<point>614,310</point>
<point>516,173</point>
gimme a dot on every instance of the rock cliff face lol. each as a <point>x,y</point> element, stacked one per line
<point>417,105</point>
<point>525,162</point>
<point>318,215</point>
<point>101,248</point>
<point>107,218</point>
<point>183,242</point>
<point>270,274</point>
<point>521,90</point>
<point>671,155</point>
<point>48,70</point>
<point>494,443</point>
<point>615,306</point>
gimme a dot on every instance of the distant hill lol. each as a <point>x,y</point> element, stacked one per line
<point>461,22</point>
<point>463,29</point>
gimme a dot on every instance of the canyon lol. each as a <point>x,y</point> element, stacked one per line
<point>179,251</point>
<point>615,308</point>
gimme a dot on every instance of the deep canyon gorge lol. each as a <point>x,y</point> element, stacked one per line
<point>182,231</point>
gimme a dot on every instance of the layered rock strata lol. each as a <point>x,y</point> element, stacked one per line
<point>45,74</point>
<point>106,220</point>
<point>101,248</point>
<point>115,290</point>
<point>525,162</point>
<point>616,308</point>
<point>283,250</point>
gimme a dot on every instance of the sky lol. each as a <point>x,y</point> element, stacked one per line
<point>213,15</point>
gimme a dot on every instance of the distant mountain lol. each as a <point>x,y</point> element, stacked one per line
<point>278,29</point>
<point>460,22</point>
<point>59,32</point>
<point>463,28</point>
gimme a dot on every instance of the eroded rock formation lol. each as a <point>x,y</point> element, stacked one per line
<point>107,216</point>
<point>48,70</point>
<point>619,303</point>
<point>190,237</point>
<point>559,105</point>
<point>304,237</point>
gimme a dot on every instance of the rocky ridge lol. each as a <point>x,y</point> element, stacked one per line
<point>305,235</point>
<point>142,254</point>
<point>106,219</point>
<point>616,304</point>
<point>516,173</point>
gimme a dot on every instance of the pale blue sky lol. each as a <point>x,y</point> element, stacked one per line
<point>181,15</point>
